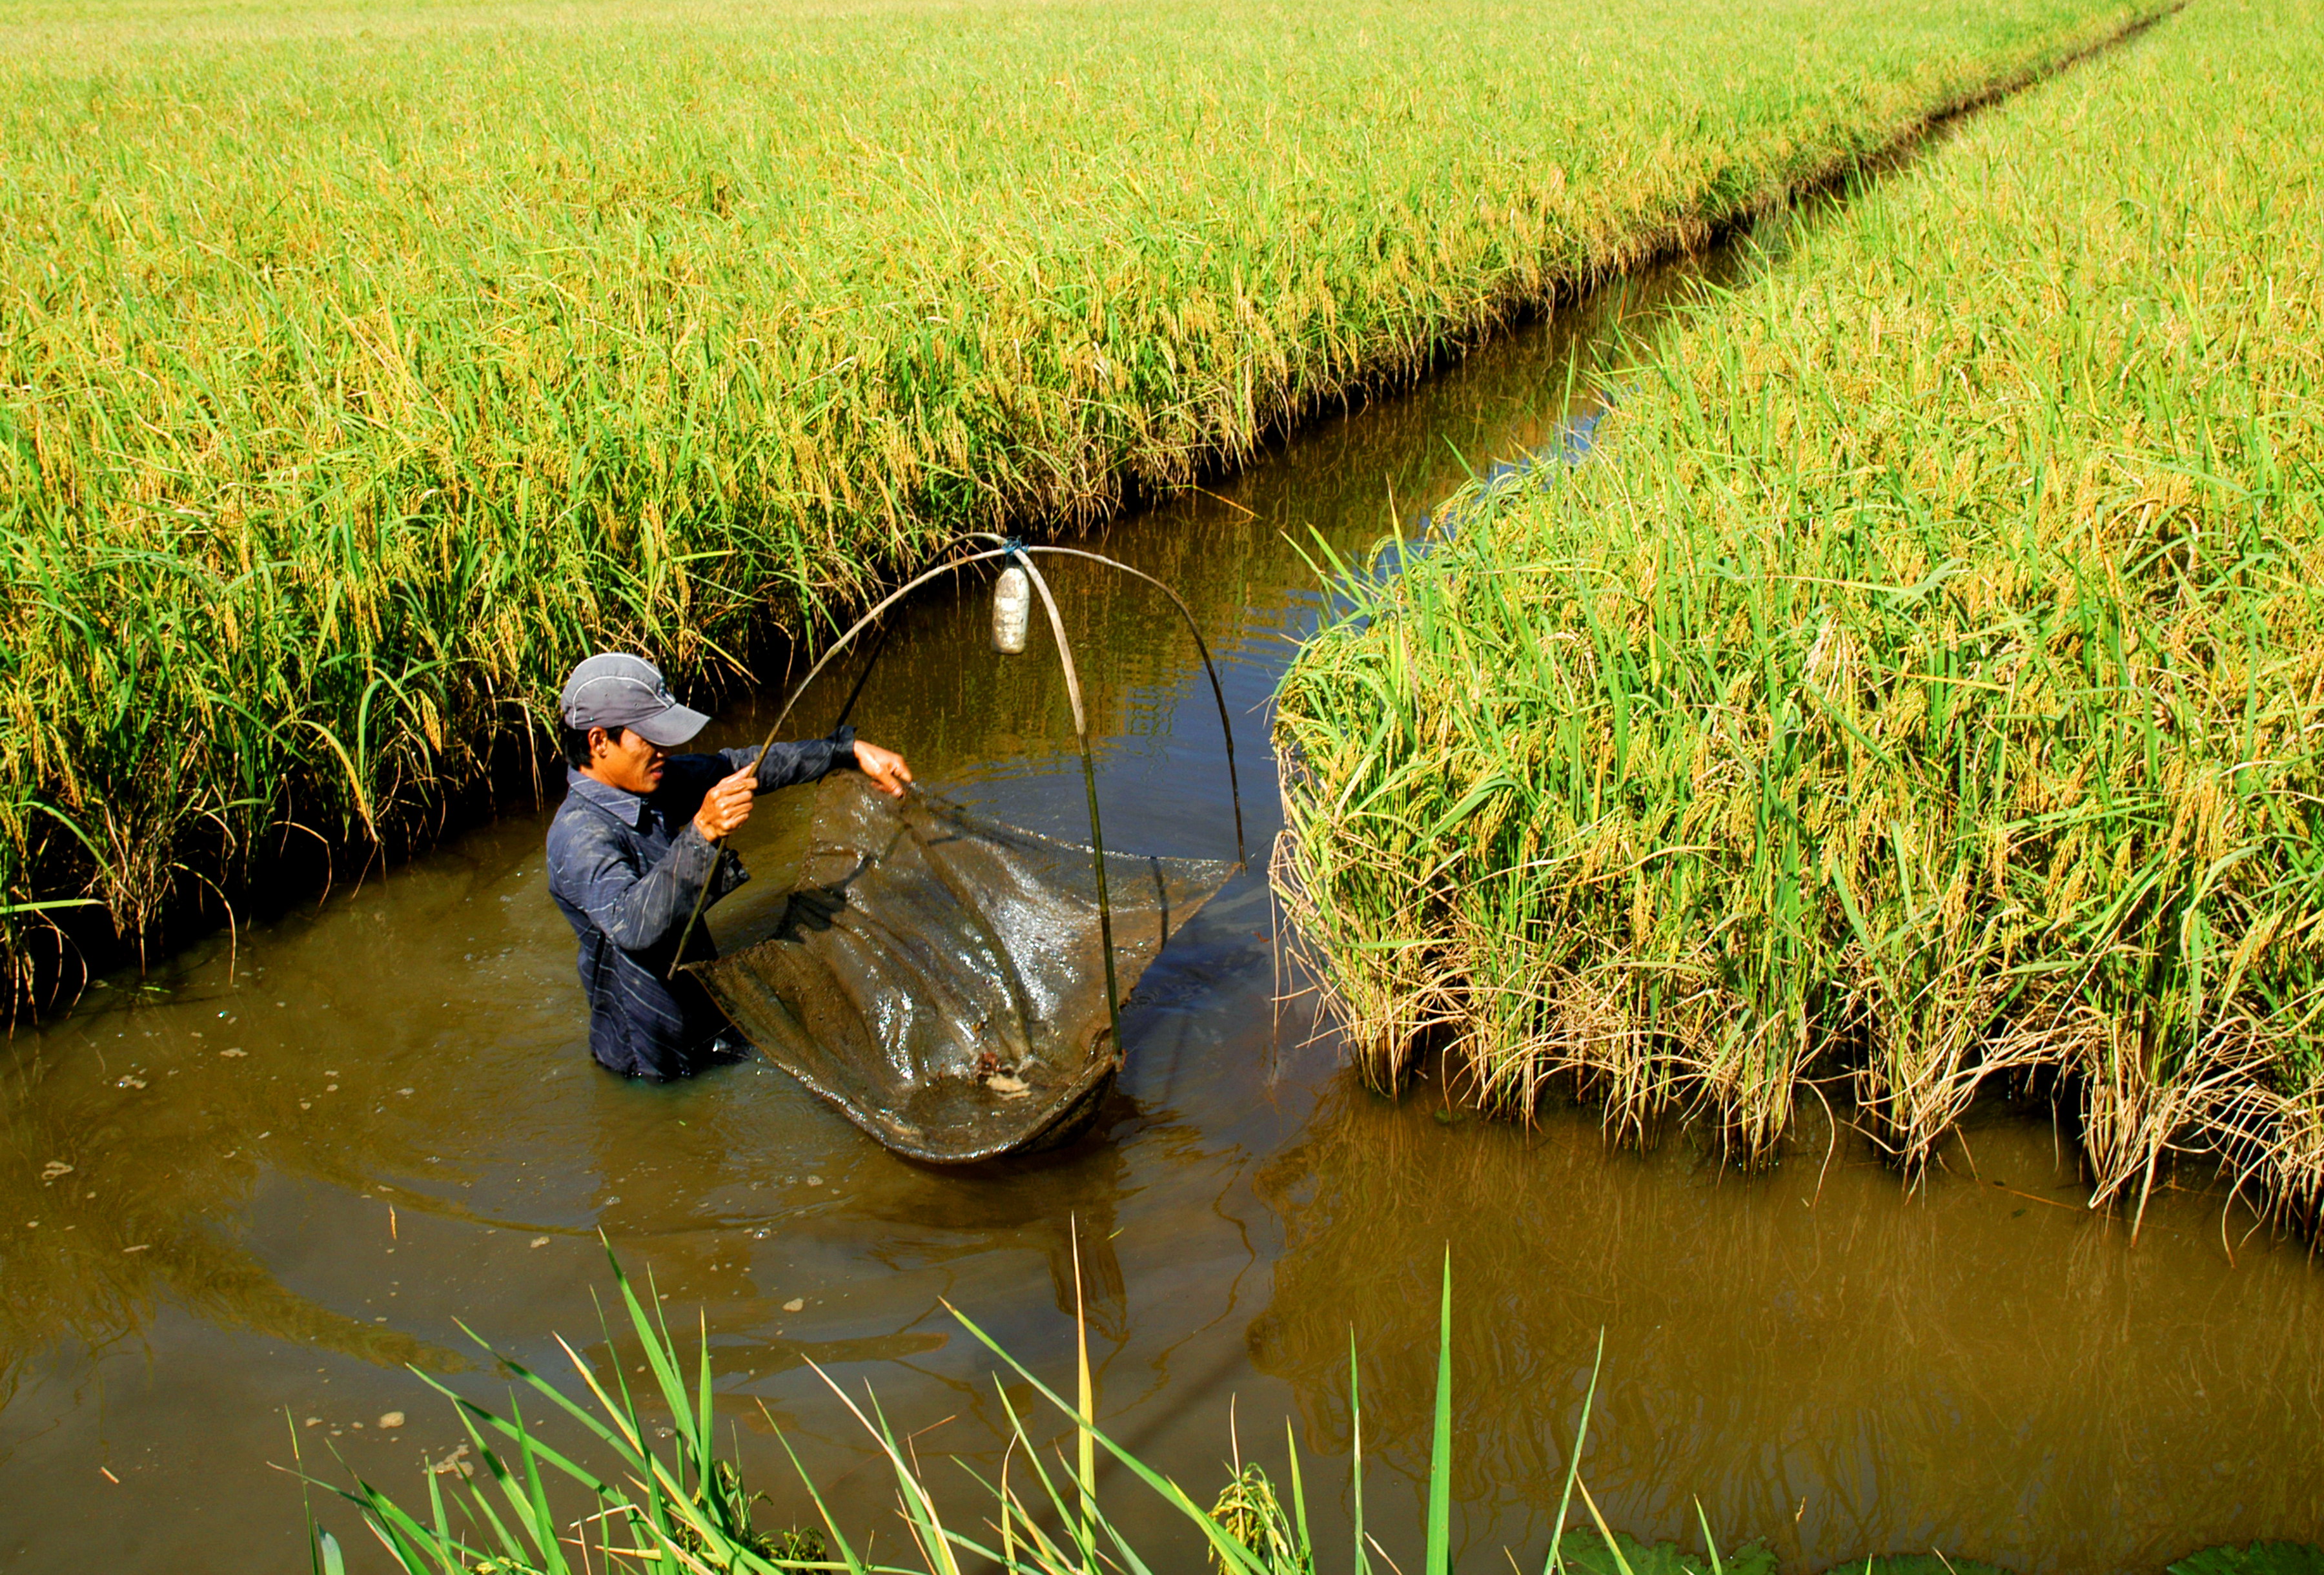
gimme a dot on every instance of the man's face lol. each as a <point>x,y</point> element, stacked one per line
<point>628,762</point>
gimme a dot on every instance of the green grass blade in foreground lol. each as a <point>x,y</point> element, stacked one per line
<point>935,1541</point>
<point>1440,1449</point>
<point>1709,1543</point>
<point>848,1560</point>
<point>1613,1544</point>
<point>1361,1558</point>
<point>1084,1390</point>
<point>1553,1565</point>
<point>1230,1553</point>
<point>710,1534</point>
<point>1306,1547</point>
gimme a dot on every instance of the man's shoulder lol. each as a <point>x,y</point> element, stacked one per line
<point>584,843</point>
<point>589,813</point>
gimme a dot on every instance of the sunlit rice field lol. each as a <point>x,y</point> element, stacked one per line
<point>1921,686</point>
<point>359,368</point>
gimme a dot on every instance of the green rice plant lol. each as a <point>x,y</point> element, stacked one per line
<point>360,368</point>
<point>1590,1553</point>
<point>686,1507</point>
<point>1251,1514</point>
<point>1919,688</point>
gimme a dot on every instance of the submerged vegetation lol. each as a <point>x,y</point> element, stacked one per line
<point>358,368</point>
<point>1921,687</point>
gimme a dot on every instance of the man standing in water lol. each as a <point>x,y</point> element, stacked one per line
<point>636,840</point>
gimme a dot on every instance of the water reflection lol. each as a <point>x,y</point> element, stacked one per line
<point>1988,1368</point>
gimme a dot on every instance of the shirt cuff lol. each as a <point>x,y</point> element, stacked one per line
<point>696,851</point>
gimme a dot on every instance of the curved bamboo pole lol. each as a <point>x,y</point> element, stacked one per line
<point>1022,553</point>
<point>857,628</point>
<point>1089,786</point>
<point>1218,694</point>
<point>899,594</point>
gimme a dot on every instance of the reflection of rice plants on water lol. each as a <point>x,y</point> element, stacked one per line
<point>361,367</point>
<point>1920,690</point>
<point>1797,1334</point>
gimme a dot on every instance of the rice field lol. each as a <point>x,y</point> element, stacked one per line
<point>360,367</point>
<point>1920,689</point>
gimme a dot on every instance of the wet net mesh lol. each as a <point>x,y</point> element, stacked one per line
<point>940,978</point>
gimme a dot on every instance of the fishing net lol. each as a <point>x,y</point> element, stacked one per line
<point>941,979</point>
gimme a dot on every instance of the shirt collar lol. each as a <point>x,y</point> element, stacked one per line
<point>631,810</point>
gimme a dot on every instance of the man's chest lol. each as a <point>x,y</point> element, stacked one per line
<point>648,842</point>
<point>594,840</point>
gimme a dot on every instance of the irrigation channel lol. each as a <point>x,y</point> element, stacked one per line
<point>245,1189</point>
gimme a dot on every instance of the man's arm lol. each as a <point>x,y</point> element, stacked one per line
<point>635,911</point>
<point>725,804</point>
<point>783,765</point>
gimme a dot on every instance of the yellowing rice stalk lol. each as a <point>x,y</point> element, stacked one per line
<point>1923,685</point>
<point>359,368</point>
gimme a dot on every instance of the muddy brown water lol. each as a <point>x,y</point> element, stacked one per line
<point>247,1189</point>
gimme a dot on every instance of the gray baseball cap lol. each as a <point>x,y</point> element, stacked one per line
<point>613,690</point>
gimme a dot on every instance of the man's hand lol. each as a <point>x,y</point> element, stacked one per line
<point>885,767</point>
<point>727,805</point>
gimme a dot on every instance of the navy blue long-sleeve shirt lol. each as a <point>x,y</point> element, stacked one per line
<point>624,869</point>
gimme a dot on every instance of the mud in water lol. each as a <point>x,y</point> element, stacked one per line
<point>246,1190</point>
